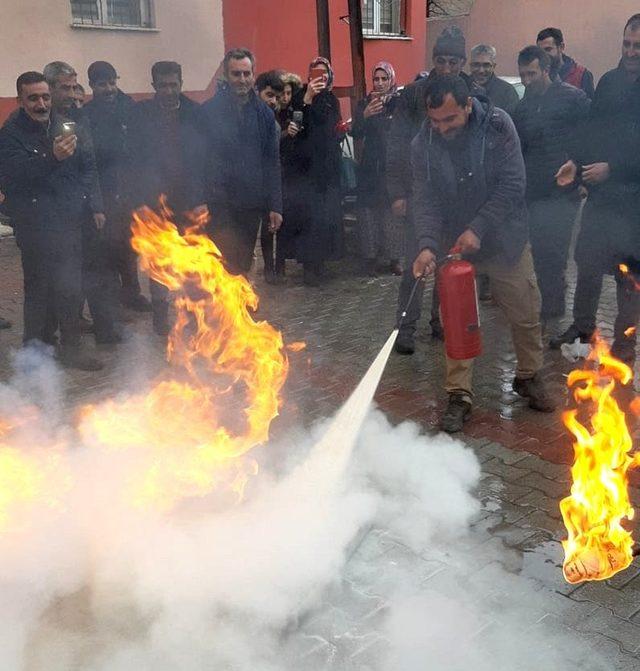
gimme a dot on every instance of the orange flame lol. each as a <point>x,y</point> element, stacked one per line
<point>626,273</point>
<point>226,355</point>
<point>598,546</point>
<point>630,331</point>
<point>297,346</point>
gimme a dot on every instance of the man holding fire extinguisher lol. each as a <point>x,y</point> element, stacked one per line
<point>469,193</point>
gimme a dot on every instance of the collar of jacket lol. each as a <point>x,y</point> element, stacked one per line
<point>27,123</point>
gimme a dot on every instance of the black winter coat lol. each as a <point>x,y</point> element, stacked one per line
<point>113,129</point>
<point>372,170</point>
<point>44,195</point>
<point>243,163</point>
<point>502,95</point>
<point>179,176</point>
<point>317,152</point>
<point>548,126</point>
<point>490,200</point>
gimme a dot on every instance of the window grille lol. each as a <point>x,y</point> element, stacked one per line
<point>383,17</point>
<point>120,13</point>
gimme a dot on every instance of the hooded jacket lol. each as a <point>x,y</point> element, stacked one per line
<point>408,115</point>
<point>490,200</point>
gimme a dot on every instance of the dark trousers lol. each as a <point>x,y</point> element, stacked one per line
<point>52,271</point>
<point>320,236</point>
<point>125,263</point>
<point>267,240</point>
<point>99,281</point>
<point>410,322</point>
<point>551,223</point>
<point>235,232</point>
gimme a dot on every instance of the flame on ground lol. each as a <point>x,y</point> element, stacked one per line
<point>598,545</point>
<point>229,362</point>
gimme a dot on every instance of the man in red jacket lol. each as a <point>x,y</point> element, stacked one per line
<point>564,67</point>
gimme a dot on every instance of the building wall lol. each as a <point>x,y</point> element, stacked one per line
<point>592,28</point>
<point>287,37</point>
<point>35,32</point>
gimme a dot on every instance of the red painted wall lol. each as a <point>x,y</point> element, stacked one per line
<point>287,38</point>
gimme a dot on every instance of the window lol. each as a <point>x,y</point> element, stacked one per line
<point>439,9</point>
<point>123,13</point>
<point>383,17</point>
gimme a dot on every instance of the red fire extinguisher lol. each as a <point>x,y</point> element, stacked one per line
<point>459,307</point>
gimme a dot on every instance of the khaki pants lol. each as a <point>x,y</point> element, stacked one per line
<point>515,291</point>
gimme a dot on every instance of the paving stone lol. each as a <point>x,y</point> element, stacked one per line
<point>603,621</point>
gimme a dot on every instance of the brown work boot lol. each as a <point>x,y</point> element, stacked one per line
<point>536,391</point>
<point>457,413</point>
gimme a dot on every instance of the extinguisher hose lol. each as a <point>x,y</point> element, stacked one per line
<point>451,255</point>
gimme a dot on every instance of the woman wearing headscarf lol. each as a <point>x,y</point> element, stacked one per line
<point>316,158</point>
<point>379,232</point>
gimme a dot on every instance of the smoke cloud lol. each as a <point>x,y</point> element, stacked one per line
<point>375,568</point>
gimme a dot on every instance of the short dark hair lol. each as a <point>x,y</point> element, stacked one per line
<point>556,33</point>
<point>633,22</point>
<point>164,68</point>
<point>238,55</point>
<point>532,53</point>
<point>272,78</point>
<point>447,85</point>
<point>27,78</point>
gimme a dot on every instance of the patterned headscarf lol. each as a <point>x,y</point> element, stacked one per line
<point>320,60</point>
<point>391,73</point>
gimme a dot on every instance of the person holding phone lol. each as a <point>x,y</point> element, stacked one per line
<point>380,234</point>
<point>317,158</point>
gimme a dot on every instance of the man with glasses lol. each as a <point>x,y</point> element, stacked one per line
<point>483,69</point>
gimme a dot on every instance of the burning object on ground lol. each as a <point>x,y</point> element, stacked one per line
<point>598,545</point>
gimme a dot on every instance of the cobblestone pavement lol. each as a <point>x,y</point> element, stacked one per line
<point>524,454</point>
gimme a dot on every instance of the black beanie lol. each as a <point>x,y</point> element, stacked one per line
<point>450,42</point>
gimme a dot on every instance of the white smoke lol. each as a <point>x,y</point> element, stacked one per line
<point>376,571</point>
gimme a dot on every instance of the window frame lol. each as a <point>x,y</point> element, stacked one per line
<point>376,31</point>
<point>147,17</point>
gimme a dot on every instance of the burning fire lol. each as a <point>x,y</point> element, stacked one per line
<point>228,362</point>
<point>598,545</point>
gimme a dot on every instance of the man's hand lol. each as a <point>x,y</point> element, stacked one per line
<point>595,173</point>
<point>275,221</point>
<point>313,88</point>
<point>374,107</point>
<point>399,207</point>
<point>100,220</point>
<point>64,147</point>
<point>292,129</point>
<point>468,242</point>
<point>425,263</point>
<point>567,174</point>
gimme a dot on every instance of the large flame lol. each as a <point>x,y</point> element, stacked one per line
<point>229,362</point>
<point>598,545</point>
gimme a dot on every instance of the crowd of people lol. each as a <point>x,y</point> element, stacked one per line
<point>450,160</point>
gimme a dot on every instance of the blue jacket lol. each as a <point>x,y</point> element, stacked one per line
<point>491,202</point>
<point>243,146</point>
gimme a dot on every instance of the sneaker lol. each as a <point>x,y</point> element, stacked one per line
<point>405,343</point>
<point>536,391</point>
<point>457,413</point>
<point>138,303</point>
<point>437,332</point>
<point>570,336</point>
<point>74,358</point>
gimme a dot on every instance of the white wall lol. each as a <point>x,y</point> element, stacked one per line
<point>35,32</point>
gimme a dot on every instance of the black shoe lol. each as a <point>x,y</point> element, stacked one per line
<point>536,391</point>
<point>368,268</point>
<point>405,344</point>
<point>569,337</point>
<point>310,278</point>
<point>109,339</point>
<point>138,303</point>
<point>457,413</point>
<point>161,325</point>
<point>395,267</point>
<point>269,276</point>
<point>437,332</point>
<point>4,323</point>
<point>74,358</point>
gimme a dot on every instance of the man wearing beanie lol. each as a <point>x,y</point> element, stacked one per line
<point>111,114</point>
<point>449,57</point>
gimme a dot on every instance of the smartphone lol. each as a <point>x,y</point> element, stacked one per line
<point>316,73</point>
<point>68,128</point>
<point>298,118</point>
